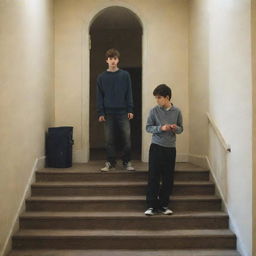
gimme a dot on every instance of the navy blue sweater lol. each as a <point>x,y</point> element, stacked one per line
<point>114,93</point>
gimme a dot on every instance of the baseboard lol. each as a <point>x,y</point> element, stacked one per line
<point>38,164</point>
<point>239,244</point>
<point>232,224</point>
<point>218,190</point>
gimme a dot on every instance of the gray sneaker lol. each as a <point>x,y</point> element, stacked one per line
<point>128,166</point>
<point>150,212</point>
<point>165,211</point>
<point>107,167</point>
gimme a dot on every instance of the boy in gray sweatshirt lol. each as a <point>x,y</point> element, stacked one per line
<point>164,122</point>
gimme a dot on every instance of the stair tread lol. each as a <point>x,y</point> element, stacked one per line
<point>116,198</point>
<point>124,253</point>
<point>94,167</point>
<point>119,214</point>
<point>49,171</point>
<point>44,233</point>
<point>117,183</point>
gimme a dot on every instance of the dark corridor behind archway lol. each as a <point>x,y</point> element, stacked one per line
<point>116,27</point>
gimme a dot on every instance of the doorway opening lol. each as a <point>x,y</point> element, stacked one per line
<point>116,27</point>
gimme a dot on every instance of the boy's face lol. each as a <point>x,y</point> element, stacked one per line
<point>162,101</point>
<point>112,62</point>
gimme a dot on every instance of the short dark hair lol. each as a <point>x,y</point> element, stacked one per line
<point>111,53</point>
<point>163,90</point>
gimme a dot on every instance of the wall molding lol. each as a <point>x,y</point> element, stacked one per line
<point>38,164</point>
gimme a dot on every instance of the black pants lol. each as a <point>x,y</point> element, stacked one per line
<point>161,170</point>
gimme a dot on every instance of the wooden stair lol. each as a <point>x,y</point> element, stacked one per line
<point>80,211</point>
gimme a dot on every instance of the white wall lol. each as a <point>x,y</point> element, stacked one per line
<point>225,43</point>
<point>27,94</point>
<point>165,60</point>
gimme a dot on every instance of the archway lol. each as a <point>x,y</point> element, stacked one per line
<point>116,27</point>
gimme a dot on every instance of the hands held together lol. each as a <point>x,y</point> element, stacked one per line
<point>169,127</point>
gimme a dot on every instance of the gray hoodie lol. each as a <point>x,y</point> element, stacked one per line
<point>159,116</point>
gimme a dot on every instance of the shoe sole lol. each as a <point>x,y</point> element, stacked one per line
<point>154,213</point>
<point>112,169</point>
<point>166,213</point>
<point>149,214</point>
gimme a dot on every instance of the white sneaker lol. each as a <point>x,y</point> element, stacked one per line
<point>165,211</point>
<point>107,167</point>
<point>128,166</point>
<point>150,212</point>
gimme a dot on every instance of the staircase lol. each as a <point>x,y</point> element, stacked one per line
<point>80,211</point>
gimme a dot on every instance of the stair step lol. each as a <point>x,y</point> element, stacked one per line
<point>62,218</point>
<point>115,188</point>
<point>124,239</point>
<point>119,203</point>
<point>80,175</point>
<point>122,220</point>
<point>124,253</point>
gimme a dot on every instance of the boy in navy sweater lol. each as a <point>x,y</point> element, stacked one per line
<point>164,122</point>
<point>115,109</point>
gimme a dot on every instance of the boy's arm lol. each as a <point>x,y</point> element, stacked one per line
<point>129,99</point>
<point>179,127</point>
<point>100,99</point>
<point>150,126</point>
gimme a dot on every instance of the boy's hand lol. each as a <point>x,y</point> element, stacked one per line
<point>173,127</point>
<point>166,127</point>
<point>130,116</point>
<point>102,119</point>
<point>169,127</point>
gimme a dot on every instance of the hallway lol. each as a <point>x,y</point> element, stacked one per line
<point>204,50</point>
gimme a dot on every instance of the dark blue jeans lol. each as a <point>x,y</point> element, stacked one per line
<point>121,124</point>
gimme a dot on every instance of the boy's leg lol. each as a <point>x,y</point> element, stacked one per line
<point>153,176</point>
<point>124,126</point>
<point>167,173</point>
<point>109,126</point>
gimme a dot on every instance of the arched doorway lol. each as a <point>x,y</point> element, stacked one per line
<point>116,27</point>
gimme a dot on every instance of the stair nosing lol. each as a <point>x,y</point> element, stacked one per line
<point>118,198</point>
<point>61,171</point>
<point>111,215</point>
<point>110,184</point>
<point>45,233</point>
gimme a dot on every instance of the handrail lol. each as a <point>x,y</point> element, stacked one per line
<point>226,146</point>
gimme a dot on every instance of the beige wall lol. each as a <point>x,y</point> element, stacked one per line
<point>254,121</point>
<point>26,105</point>
<point>165,60</point>
<point>222,62</point>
